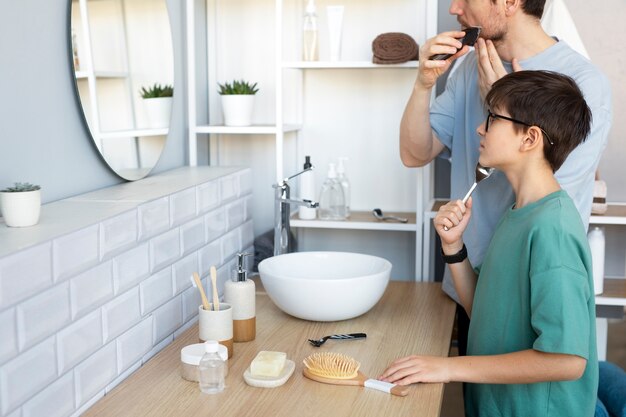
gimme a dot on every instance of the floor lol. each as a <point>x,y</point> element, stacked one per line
<point>616,353</point>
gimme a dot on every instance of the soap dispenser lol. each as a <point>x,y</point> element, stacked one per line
<point>240,294</point>
<point>332,202</point>
<point>343,180</point>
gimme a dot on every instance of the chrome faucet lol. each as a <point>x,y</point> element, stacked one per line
<point>282,231</point>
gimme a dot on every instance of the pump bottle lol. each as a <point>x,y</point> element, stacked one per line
<point>332,202</point>
<point>240,294</point>
<point>309,34</point>
<point>345,184</point>
<point>307,191</point>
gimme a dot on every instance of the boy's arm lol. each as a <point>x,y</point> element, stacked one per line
<point>523,367</point>
<point>454,216</point>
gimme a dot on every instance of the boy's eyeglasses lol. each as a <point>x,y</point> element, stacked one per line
<point>491,116</point>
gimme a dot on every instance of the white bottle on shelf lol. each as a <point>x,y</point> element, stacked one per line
<point>310,50</point>
<point>332,203</point>
<point>307,191</point>
<point>597,245</point>
<point>345,183</point>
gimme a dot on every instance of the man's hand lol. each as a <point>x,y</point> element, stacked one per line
<point>405,371</point>
<point>444,43</point>
<point>490,67</point>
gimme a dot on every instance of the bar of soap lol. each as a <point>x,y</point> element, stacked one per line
<point>268,364</point>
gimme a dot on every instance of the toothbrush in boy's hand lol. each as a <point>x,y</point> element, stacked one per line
<point>481,174</point>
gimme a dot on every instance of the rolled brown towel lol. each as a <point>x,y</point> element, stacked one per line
<point>394,48</point>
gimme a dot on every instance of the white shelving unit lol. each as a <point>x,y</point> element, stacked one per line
<point>423,15</point>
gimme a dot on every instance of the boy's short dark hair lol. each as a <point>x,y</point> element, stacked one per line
<point>548,100</point>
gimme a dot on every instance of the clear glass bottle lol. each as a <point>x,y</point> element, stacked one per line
<point>332,202</point>
<point>211,369</point>
<point>345,183</point>
<point>309,34</point>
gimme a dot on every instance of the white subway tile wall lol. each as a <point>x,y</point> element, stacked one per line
<point>57,400</point>
<point>182,206</point>
<point>78,341</point>
<point>117,234</point>
<point>130,268</point>
<point>80,313</point>
<point>23,274</point>
<point>8,335</point>
<point>154,218</point>
<point>91,289</point>
<point>75,252</point>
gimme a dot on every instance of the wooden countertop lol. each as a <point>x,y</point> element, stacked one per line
<point>411,318</point>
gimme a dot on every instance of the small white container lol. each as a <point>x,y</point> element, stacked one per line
<point>190,359</point>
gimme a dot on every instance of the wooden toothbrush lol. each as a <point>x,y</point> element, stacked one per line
<point>198,284</point>
<point>216,300</point>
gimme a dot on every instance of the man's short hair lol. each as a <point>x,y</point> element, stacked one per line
<point>549,100</point>
<point>533,7</point>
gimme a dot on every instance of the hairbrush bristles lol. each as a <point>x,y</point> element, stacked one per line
<point>332,365</point>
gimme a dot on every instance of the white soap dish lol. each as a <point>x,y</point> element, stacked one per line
<point>270,382</point>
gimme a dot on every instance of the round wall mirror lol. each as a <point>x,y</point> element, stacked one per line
<point>124,70</point>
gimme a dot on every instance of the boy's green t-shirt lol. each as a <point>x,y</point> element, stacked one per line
<point>535,291</point>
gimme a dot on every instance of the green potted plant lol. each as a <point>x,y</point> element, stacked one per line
<point>21,204</point>
<point>157,99</point>
<point>237,102</point>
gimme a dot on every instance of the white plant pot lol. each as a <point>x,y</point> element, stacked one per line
<point>158,111</point>
<point>21,209</point>
<point>237,109</point>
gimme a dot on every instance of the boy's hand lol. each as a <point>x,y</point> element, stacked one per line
<point>405,371</point>
<point>444,43</point>
<point>454,216</point>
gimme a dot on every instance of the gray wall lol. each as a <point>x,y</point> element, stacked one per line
<point>42,136</point>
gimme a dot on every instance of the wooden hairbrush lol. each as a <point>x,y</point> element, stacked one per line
<point>338,369</point>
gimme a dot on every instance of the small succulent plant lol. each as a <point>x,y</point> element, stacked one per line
<point>156,91</point>
<point>240,87</point>
<point>21,187</point>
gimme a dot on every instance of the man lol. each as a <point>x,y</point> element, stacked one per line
<point>511,39</point>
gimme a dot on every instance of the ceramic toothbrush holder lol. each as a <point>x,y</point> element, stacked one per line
<point>217,325</point>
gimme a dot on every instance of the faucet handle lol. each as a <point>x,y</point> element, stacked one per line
<point>285,180</point>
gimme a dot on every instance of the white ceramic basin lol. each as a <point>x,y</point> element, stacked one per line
<point>325,286</point>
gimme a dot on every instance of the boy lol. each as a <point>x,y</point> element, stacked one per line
<point>531,348</point>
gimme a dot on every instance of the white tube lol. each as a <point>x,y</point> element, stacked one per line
<point>335,20</point>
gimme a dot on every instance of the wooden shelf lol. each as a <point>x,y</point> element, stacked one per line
<point>615,214</point>
<point>359,220</point>
<point>344,65</point>
<point>614,293</point>
<point>247,130</point>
